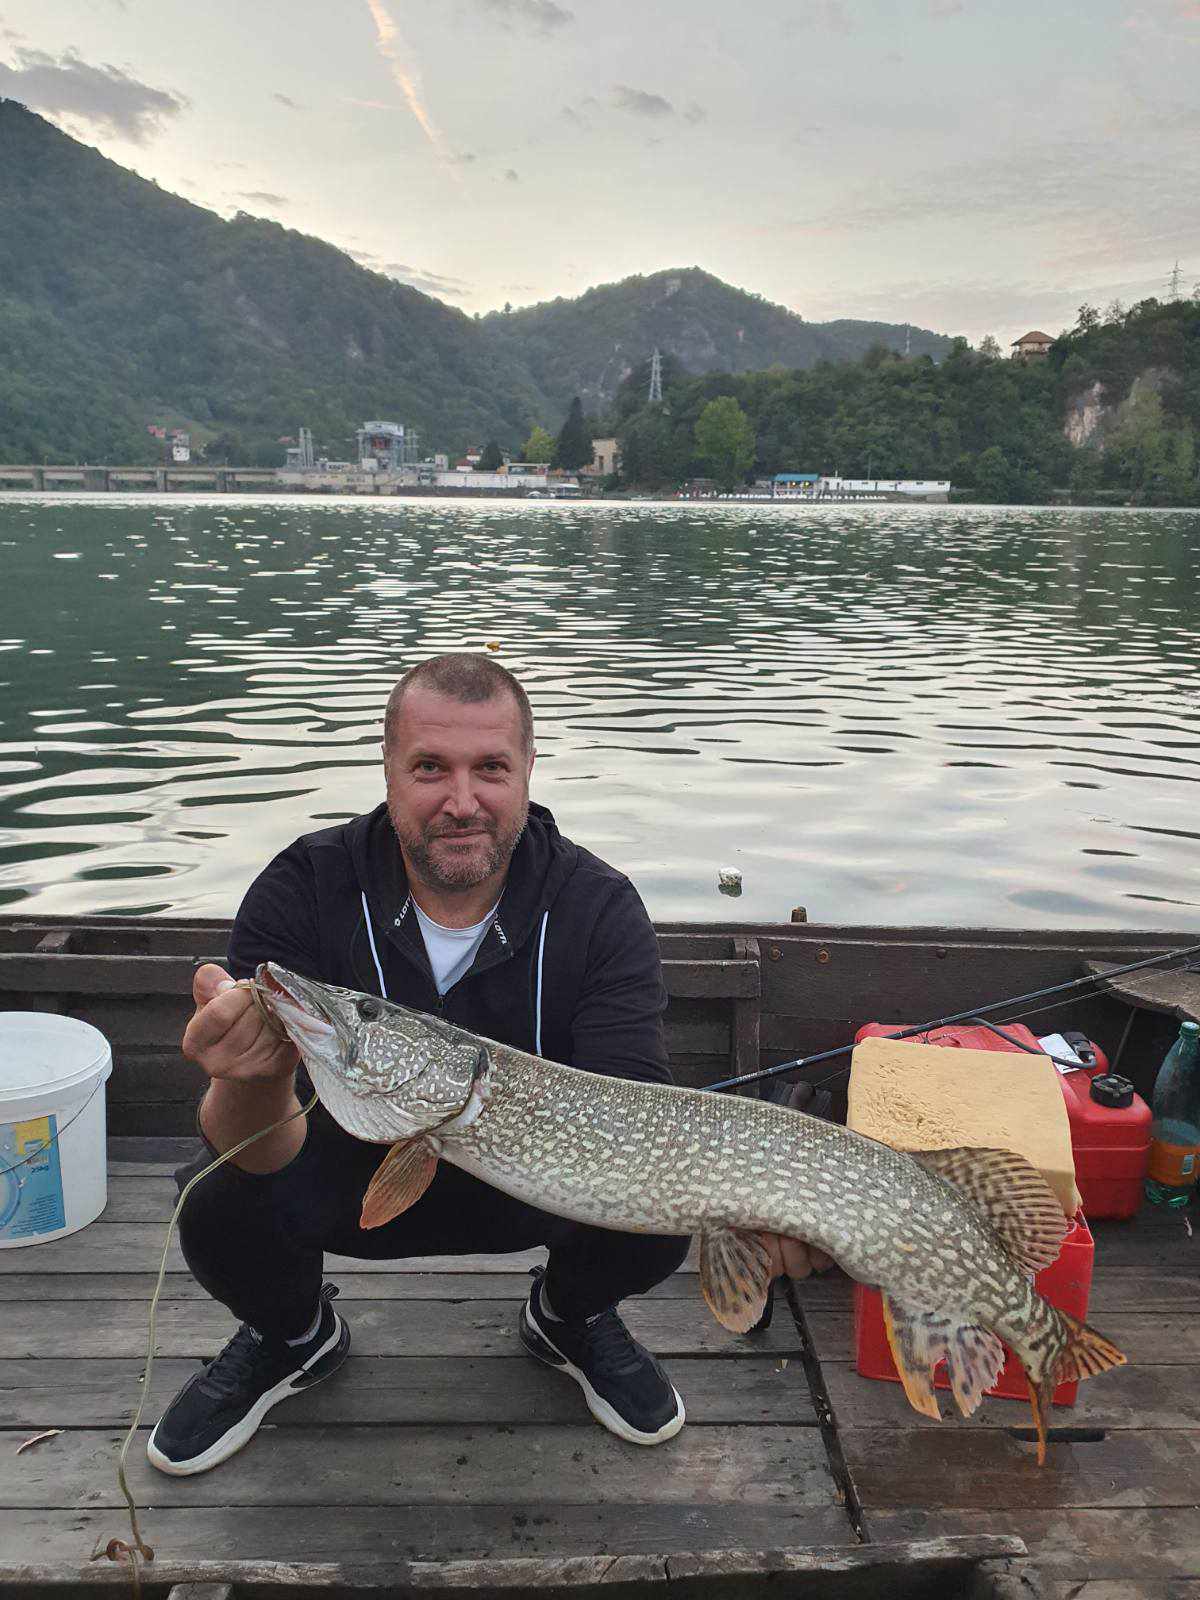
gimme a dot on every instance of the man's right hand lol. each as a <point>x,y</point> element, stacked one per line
<point>230,1038</point>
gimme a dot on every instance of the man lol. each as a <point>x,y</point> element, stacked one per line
<point>458,897</point>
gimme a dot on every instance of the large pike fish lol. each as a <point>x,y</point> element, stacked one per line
<point>951,1237</point>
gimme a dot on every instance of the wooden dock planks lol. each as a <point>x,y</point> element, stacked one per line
<point>1115,1515</point>
<point>439,1439</point>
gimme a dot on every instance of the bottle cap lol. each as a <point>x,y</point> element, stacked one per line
<point>1111,1089</point>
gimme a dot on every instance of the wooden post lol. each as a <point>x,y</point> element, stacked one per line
<point>747,1013</point>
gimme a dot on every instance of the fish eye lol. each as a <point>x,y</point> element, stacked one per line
<point>370,1009</point>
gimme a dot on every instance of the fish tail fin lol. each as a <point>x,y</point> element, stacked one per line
<point>1074,1351</point>
<point>920,1339</point>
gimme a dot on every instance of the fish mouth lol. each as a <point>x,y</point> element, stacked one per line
<point>294,1001</point>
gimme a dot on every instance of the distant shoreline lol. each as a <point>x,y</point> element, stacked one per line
<point>1062,499</point>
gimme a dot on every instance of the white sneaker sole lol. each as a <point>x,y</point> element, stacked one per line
<point>598,1406</point>
<point>230,1443</point>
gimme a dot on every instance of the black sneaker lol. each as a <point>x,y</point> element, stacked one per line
<point>220,1409</point>
<point>624,1386</point>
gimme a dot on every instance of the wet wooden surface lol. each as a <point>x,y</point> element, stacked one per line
<point>440,1440</point>
<point>1115,1514</point>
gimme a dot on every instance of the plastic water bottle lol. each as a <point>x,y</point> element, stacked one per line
<point>1175,1134</point>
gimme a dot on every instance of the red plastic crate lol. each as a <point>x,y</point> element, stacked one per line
<point>1066,1283</point>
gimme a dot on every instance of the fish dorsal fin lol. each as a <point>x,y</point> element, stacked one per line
<point>400,1180</point>
<point>735,1274</point>
<point>1013,1196</point>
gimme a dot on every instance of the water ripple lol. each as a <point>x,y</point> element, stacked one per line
<point>888,714</point>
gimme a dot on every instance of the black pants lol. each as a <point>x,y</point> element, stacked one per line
<point>255,1241</point>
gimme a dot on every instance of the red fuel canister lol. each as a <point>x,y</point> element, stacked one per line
<point>1110,1124</point>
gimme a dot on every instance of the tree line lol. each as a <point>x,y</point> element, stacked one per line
<point>1128,379</point>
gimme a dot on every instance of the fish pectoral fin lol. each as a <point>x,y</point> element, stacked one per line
<point>400,1180</point>
<point>1013,1196</point>
<point>735,1275</point>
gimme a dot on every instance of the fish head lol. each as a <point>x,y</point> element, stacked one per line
<point>381,1070</point>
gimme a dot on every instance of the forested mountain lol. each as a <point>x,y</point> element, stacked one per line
<point>1113,412</point>
<point>587,346</point>
<point>121,305</point>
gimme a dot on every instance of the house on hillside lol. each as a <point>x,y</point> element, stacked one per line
<point>1031,344</point>
<point>606,459</point>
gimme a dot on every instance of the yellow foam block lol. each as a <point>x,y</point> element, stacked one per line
<point>928,1097</point>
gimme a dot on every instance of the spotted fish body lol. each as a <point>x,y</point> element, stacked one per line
<point>949,1237</point>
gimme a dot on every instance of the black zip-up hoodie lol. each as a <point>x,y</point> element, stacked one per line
<point>570,962</point>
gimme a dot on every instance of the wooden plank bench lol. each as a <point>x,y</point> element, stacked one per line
<point>133,981</point>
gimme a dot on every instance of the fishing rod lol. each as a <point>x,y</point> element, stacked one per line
<point>970,1015</point>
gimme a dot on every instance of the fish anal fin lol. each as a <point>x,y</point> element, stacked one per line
<point>400,1180</point>
<point>973,1362</point>
<point>1011,1193</point>
<point>917,1345</point>
<point>735,1275</point>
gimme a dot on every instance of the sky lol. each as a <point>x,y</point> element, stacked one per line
<point>971,166</point>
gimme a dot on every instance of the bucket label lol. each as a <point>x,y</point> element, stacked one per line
<point>31,1191</point>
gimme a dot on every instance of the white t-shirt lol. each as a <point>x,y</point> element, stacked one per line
<point>451,950</point>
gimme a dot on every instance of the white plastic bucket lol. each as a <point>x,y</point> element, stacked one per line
<point>53,1172</point>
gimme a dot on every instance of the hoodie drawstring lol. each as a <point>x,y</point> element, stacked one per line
<point>537,1034</point>
<point>374,951</point>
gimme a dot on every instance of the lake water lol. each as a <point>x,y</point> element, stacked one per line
<point>886,714</point>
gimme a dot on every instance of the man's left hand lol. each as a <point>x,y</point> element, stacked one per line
<point>795,1257</point>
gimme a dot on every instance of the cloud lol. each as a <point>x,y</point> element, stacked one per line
<point>405,76</point>
<point>1060,189</point>
<point>102,98</point>
<point>264,197</point>
<point>512,176</point>
<point>429,282</point>
<point>640,102</point>
<point>292,105</point>
<point>542,15</point>
<point>828,16</point>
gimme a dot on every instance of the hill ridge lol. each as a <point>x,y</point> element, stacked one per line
<point>123,304</point>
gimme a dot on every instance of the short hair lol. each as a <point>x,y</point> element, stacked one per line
<point>466,677</point>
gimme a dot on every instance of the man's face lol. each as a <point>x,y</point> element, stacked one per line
<point>457,786</point>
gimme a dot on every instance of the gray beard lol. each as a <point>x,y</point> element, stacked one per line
<point>463,875</point>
